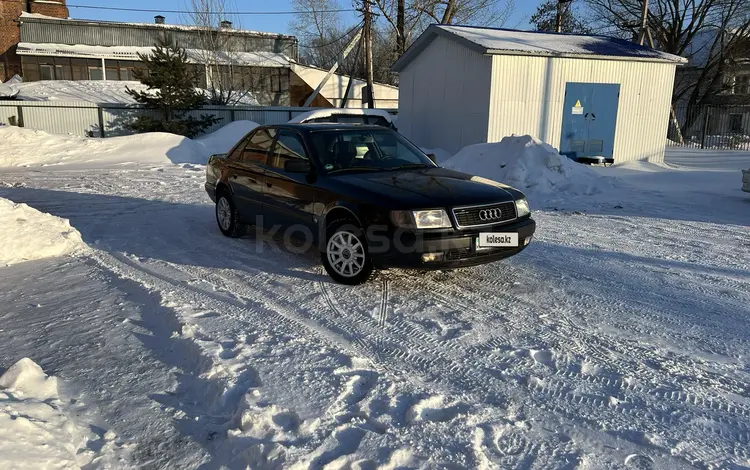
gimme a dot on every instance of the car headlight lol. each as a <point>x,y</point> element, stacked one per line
<point>433,218</point>
<point>522,207</point>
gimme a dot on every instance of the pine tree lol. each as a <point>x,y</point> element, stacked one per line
<point>545,19</point>
<point>171,90</point>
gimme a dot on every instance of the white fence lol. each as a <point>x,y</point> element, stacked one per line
<point>110,119</point>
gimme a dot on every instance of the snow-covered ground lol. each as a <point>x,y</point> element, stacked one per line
<point>618,339</point>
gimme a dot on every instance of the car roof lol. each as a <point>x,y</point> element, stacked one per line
<point>327,126</point>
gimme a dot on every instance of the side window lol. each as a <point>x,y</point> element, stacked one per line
<point>236,154</point>
<point>378,121</point>
<point>257,148</point>
<point>288,146</point>
<point>351,119</point>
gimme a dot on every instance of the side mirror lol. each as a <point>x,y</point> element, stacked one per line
<point>432,157</point>
<point>297,166</point>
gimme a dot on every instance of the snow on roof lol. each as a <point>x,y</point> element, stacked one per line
<point>90,91</point>
<point>173,27</point>
<point>335,87</point>
<point>198,56</point>
<point>497,41</point>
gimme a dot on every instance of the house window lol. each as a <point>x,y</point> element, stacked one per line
<point>46,72</point>
<point>80,70</point>
<point>30,67</point>
<point>62,72</point>
<point>735,122</point>
<point>742,85</point>
<point>95,73</point>
<point>112,74</point>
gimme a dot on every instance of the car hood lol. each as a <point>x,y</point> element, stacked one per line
<point>430,187</point>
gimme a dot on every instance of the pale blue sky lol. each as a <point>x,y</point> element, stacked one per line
<point>270,23</point>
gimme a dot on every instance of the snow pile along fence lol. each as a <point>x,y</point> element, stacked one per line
<point>26,148</point>
<point>529,165</point>
<point>100,119</point>
<point>224,139</point>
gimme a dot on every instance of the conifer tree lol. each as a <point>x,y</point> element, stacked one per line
<point>171,90</point>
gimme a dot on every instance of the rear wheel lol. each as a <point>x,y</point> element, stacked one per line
<point>228,218</point>
<point>346,259</point>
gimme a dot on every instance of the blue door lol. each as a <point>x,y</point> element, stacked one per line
<point>589,119</point>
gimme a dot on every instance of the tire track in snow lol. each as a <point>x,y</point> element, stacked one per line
<point>406,356</point>
<point>383,312</point>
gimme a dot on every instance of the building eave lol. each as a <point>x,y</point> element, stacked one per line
<point>424,40</point>
<point>586,56</point>
<point>148,26</point>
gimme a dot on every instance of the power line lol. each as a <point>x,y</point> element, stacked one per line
<point>223,13</point>
<point>334,41</point>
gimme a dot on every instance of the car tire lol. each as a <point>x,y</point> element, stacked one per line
<point>228,218</point>
<point>350,263</point>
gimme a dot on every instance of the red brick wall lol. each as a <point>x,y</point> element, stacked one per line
<point>10,10</point>
<point>50,9</point>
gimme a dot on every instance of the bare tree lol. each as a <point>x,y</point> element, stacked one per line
<point>220,51</point>
<point>476,12</point>
<point>315,19</point>
<point>713,34</point>
<point>407,19</point>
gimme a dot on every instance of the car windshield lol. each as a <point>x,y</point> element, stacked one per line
<point>366,150</point>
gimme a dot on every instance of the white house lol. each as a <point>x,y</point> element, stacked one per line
<point>595,98</point>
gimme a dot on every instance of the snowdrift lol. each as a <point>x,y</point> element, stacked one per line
<point>28,148</point>
<point>35,432</point>
<point>90,91</point>
<point>224,139</point>
<point>27,234</point>
<point>529,165</point>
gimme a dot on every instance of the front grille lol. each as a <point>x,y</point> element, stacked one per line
<point>491,214</point>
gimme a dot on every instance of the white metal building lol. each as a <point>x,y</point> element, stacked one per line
<point>593,97</point>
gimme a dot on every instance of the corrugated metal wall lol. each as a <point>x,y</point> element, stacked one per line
<point>528,94</point>
<point>82,118</point>
<point>444,96</point>
<point>37,30</point>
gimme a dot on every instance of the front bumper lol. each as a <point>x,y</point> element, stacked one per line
<point>458,249</point>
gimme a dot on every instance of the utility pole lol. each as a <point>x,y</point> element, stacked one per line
<point>344,54</point>
<point>400,28</point>
<point>368,53</point>
<point>645,33</point>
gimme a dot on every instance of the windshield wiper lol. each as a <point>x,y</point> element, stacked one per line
<point>355,168</point>
<point>411,165</point>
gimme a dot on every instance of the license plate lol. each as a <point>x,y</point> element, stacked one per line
<point>497,239</point>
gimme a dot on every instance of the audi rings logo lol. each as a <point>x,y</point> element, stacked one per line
<point>490,214</point>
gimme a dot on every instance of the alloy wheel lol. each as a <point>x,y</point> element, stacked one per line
<point>224,213</point>
<point>346,254</point>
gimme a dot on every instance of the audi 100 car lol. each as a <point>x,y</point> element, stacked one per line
<point>367,198</point>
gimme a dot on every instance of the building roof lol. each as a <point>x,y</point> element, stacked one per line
<point>196,56</point>
<point>34,17</point>
<point>335,87</point>
<point>496,41</point>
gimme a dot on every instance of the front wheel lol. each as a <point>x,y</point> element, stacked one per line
<point>228,218</point>
<point>346,259</point>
